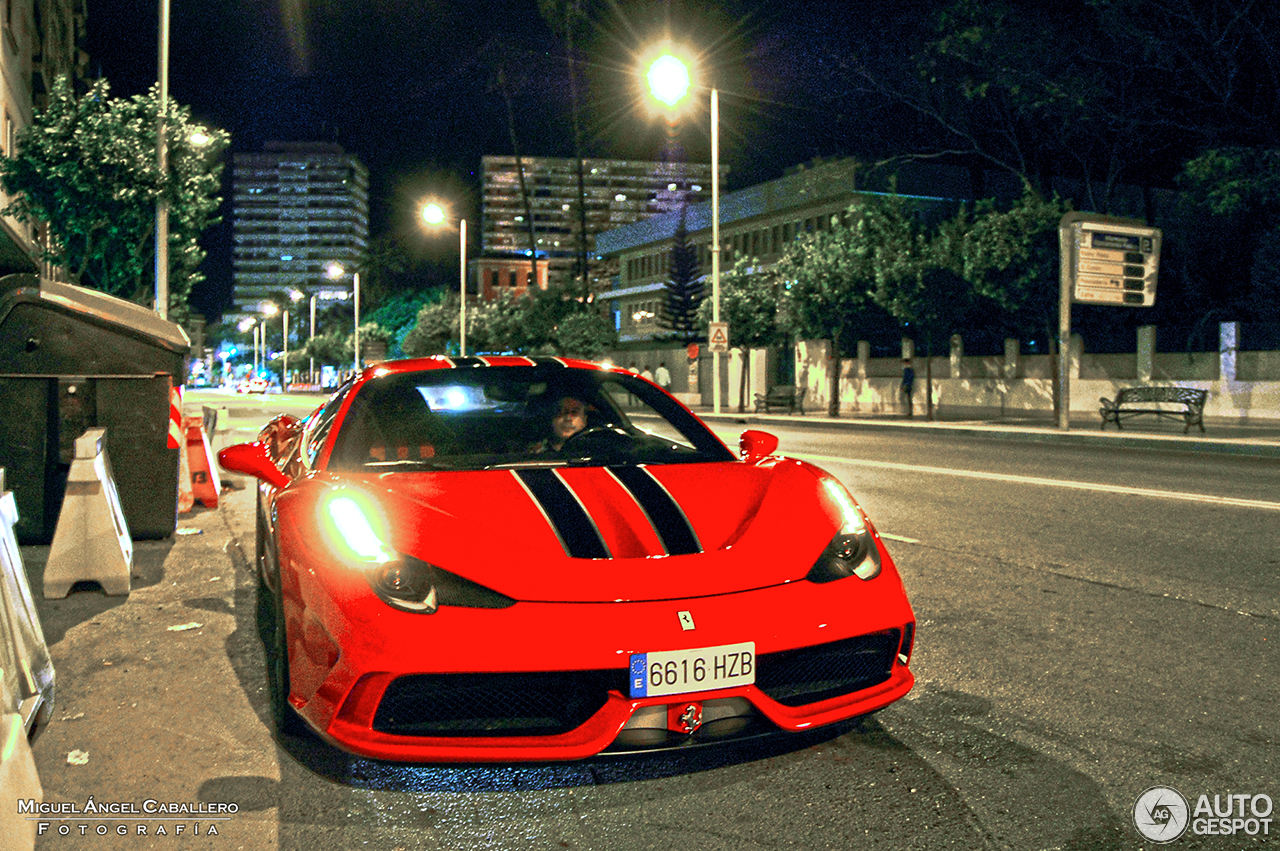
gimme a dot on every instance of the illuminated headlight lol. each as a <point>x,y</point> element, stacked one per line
<point>356,532</point>
<point>853,551</point>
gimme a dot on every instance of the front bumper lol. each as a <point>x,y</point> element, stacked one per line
<point>360,692</point>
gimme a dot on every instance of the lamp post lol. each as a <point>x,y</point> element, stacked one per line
<point>433,214</point>
<point>162,164</point>
<point>669,81</point>
<point>334,272</point>
<point>311,366</point>
<point>270,309</point>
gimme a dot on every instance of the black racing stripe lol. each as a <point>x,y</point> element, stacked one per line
<point>467,361</point>
<point>669,520</point>
<point>570,520</point>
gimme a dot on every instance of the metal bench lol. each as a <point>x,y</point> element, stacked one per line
<point>1175,403</point>
<point>782,396</point>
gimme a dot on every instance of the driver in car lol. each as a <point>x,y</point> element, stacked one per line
<point>569,419</point>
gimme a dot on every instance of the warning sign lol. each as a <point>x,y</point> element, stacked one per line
<point>718,337</point>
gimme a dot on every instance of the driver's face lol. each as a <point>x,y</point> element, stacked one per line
<point>570,419</point>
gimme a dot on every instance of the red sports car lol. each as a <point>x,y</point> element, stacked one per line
<point>509,558</point>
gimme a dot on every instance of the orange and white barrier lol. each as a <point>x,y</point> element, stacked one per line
<point>91,542</point>
<point>205,483</point>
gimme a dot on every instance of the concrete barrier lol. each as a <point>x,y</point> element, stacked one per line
<point>91,542</point>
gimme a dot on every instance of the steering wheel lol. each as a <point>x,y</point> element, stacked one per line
<point>597,439</point>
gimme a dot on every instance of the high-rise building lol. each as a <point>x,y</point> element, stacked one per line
<point>617,192</point>
<point>300,222</point>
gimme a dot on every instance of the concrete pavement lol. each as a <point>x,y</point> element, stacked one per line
<point>161,696</point>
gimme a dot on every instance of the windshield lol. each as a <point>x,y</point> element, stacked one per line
<point>493,417</point>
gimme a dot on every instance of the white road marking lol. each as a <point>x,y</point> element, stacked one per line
<point>899,538</point>
<point>1054,483</point>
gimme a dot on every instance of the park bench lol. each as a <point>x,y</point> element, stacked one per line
<point>782,396</point>
<point>1175,403</point>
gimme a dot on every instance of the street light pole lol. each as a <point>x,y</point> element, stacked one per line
<point>162,165</point>
<point>462,287</point>
<point>715,241</point>
<point>311,366</point>
<point>433,214</point>
<point>284,355</point>
<point>355,280</point>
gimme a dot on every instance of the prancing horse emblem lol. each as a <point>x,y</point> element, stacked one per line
<point>686,621</point>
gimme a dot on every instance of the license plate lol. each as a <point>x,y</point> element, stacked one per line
<point>696,669</point>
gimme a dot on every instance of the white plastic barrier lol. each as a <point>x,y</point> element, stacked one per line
<point>24,655</point>
<point>26,684</point>
<point>18,782</point>
<point>91,543</point>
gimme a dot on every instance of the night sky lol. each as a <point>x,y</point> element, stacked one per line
<point>409,86</point>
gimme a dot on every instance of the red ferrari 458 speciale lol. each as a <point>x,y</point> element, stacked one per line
<point>509,558</point>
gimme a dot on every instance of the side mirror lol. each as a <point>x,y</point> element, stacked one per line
<point>755,444</point>
<point>252,459</point>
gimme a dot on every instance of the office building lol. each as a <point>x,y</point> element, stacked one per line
<point>617,192</point>
<point>300,222</point>
<point>758,221</point>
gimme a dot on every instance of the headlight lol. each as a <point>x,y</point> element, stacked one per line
<point>853,551</point>
<point>357,534</point>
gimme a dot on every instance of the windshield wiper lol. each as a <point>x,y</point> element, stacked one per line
<point>527,464</point>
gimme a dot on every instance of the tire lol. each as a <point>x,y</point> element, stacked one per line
<point>283,716</point>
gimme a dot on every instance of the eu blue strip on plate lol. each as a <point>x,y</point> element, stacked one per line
<point>639,677</point>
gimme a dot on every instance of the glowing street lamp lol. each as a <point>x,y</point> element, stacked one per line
<point>433,214</point>
<point>335,271</point>
<point>669,81</point>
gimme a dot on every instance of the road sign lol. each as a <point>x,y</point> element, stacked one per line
<point>718,337</point>
<point>692,351</point>
<point>1114,263</point>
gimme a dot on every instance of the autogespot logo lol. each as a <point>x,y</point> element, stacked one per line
<point>1161,814</point>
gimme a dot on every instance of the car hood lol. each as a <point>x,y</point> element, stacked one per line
<point>591,534</point>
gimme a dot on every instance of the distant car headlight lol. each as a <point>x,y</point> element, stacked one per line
<point>853,550</point>
<point>357,534</point>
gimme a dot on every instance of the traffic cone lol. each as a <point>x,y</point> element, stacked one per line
<point>205,483</point>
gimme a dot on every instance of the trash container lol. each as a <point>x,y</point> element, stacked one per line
<point>73,358</point>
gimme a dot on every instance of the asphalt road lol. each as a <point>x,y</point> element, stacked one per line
<point>1092,622</point>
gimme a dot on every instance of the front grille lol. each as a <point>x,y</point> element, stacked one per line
<point>523,704</point>
<point>798,677</point>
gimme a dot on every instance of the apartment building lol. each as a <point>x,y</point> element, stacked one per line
<point>616,192</point>
<point>300,222</point>
<point>41,42</point>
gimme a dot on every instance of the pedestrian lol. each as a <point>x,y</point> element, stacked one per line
<point>646,374</point>
<point>908,382</point>
<point>662,376</point>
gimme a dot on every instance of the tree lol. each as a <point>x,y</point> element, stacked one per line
<point>684,290</point>
<point>584,334</point>
<point>436,326</point>
<point>918,275</point>
<point>86,169</point>
<point>829,279</point>
<point>1011,257</point>
<point>749,303</point>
